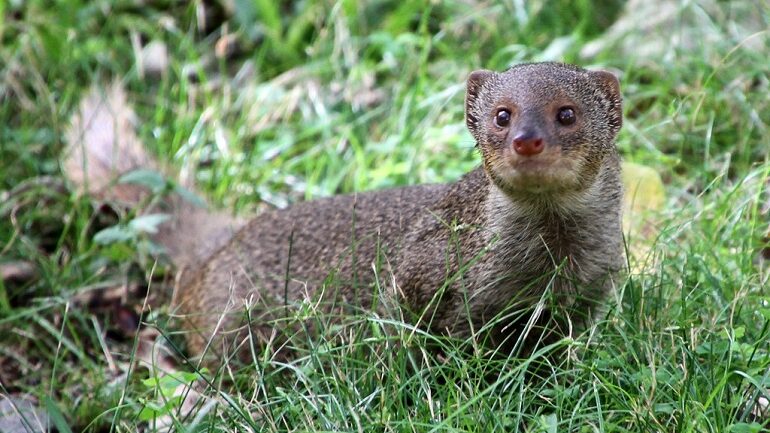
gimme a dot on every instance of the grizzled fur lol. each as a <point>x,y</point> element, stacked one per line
<point>489,245</point>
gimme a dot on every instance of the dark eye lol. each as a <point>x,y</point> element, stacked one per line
<point>503,118</point>
<point>566,116</point>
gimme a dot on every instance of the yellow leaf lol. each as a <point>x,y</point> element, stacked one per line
<point>644,198</point>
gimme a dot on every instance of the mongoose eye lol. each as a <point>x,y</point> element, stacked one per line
<point>503,117</point>
<point>566,116</point>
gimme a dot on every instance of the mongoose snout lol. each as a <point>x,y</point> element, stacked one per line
<point>528,143</point>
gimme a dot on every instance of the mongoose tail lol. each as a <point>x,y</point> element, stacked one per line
<point>102,146</point>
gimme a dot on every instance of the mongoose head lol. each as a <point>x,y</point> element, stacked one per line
<point>543,128</point>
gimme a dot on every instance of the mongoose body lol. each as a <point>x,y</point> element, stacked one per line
<point>540,216</point>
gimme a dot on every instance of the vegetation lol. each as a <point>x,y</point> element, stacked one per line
<point>267,103</point>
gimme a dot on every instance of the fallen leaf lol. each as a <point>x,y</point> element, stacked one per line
<point>644,196</point>
<point>152,353</point>
<point>226,46</point>
<point>155,60</point>
<point>22,415</point>
<point>18,271</point>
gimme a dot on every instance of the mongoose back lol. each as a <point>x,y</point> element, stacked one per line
<point>540,216</point>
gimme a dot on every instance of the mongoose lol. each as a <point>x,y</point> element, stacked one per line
<point>542,214</point>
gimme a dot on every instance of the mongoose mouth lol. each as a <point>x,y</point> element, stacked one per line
<point>532,164</point>
<point>547,172</point>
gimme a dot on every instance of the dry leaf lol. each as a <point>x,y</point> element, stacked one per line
<point>644,197</point>
<point>18,271</point>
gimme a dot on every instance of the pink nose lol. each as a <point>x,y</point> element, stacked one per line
<point>527,144</point>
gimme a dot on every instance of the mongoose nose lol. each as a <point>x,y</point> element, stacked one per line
<point>526,144</point>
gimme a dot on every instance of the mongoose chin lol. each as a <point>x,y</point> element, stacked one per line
<point>519,250</point>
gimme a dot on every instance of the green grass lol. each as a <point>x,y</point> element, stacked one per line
<point>352,96</point>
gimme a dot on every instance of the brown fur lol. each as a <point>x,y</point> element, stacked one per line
<point>492,243</point>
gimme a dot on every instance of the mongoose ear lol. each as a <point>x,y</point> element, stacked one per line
<point>609,82</point>
<point>475,81</point>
